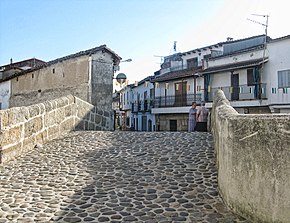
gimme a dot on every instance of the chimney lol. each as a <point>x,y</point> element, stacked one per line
<point>230,39</point>
<point>11,60</point>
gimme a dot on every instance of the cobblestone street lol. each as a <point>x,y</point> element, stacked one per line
<point>115,177</point>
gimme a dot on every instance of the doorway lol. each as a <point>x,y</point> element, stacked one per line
<point>235,87</point>
<point>173,125</point>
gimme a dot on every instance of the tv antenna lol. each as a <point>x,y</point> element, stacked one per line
<point>174,46</point>
<point>263,24</point>
<point>265,45</point>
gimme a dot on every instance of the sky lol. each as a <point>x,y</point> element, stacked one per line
<point>141,30</point>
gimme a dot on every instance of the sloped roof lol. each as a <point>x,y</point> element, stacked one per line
<point>23,62</point>
<point>149,78</point>
<point>71,56</point>
<point>234,66</point>
<point>280,38</point>
<point>176,75</point>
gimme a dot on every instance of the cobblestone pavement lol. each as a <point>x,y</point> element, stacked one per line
<point>115,177</point>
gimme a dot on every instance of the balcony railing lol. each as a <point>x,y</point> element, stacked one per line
<point>142,106</point>
<point>178,68</point>
<point>242,92</point>
<point>176,100</point>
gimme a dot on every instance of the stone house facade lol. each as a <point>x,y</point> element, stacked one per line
<point>86,75</point>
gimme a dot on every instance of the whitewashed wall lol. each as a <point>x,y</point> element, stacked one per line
<point>279,59</point>
<point>235,58</point>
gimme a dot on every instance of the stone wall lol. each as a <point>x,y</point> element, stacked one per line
<point>253,158</point>
<point>22,128</point>
<point>182,122</point>
<point>66,77</point>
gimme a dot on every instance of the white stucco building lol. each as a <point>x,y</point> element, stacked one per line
<point>254,77</point>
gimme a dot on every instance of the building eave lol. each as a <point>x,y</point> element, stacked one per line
<point>234,66</point>
<point>89,52</point>
<point>175,75</point>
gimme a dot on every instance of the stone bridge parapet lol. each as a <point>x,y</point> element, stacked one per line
<point>253,160</point>
<point>23,128</point>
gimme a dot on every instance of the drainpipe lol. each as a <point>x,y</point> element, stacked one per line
<point>194,87</point>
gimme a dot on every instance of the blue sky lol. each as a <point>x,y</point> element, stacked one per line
<point>136,29</point>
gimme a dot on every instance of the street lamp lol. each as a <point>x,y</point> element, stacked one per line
<point>121,78</point>
<point>128,60</point>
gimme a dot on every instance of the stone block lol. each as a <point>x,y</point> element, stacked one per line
<point>4,120</point>
<point>100,112</point>
<point>80,125</point>
<point>106,114</point>
<point>41,108</point>
<point>10,153</point>
<point>53,104</point>
<point>48,106</point>
<point>16,115</point>
<point>59,115</point>
<point>71,99</point>
<point>60,102</point>
<point>49,119</point>
<point>98,128</point>
<point>65,101</point>
<point>66,125</point>
<point>91,126</point>
<point>104,122</point>
<point>41,137</point>
<point>86,125</point>
<point>11,135</point>
<point>98,119</point>
<point>29,142</point>
<point>33,126</point>
<point>68,110</point>
<point>34,110</point>
<point>53,132</point>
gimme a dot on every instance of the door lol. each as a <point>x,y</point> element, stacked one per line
<point>180,94</point>
<point>235,87</point>
<point>144,123</point>
<point>149,125</point>
<point>173,125</point>
<point>136,124</point>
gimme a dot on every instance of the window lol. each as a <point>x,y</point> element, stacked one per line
<point>192,63</point>
<point>0,105</point>
<point>53,70</point>
<point>284,79</point>
<point>250,77</point>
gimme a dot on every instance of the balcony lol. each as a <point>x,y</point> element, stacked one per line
<point>176,100</point>
<point>134,108</point>
<point>243,92</point>
<point>142,106</point>
<point>178,68</point>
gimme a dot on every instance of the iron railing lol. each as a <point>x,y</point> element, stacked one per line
<point>242,92</point>
<point>142,106</point>
<point>176,100</point>
<point>178,68</point>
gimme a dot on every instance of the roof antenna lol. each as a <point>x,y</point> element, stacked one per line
<point>174,46</point>
<point>265,43</point>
